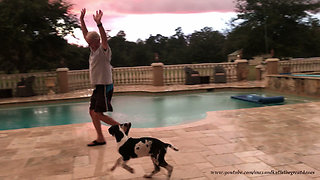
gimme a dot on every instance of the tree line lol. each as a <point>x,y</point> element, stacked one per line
<point>32,36</point>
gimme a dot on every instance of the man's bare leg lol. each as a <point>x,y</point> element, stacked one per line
<point>96,117</point>
<point>107,119</point>
<point>97,125</point>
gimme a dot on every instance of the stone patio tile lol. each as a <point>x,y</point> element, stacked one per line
<point>162,134</point>
<point>267,144</point>
<point>85,171</point>
<point>200,178</point>
<point>44,170</point>
<point>233,136</point>
<point>7,154</point>
<point>280,159</point>
<point>211,140</point>
<point>43,152</point>
<point>56,177</point>
<point>311,150</point>
<point>190,135</point>
<point>311,161</point>
<point>230,148</point>
<point>251,168</point>
<point>230,128</point>
<point>9,167</point>
<point>12,177</point>
<point>186,172</point>
<point>224,160</point>
<point>207,128</point>
<point>317,145</point>
<point>189,145</point>
<point>120,173</point>
<point>81,161</point>
<point>22,143</point>
<point>249,153</point>
<point>204,166</point>
<point>188,158</point>
<point>250,159</point>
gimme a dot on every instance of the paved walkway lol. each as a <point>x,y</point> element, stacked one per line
<point>252,143</point>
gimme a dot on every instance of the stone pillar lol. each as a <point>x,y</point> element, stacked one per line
<point>242,69</point>
<point>272,66</point>
<point>259,69</point>
<point>62,74</point>
<point>157,69</point>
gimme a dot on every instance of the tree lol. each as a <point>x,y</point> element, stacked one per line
<point>157,44</point>
<point>206,45</point>
<point>175,49</point>
<point>32,33</point>
<point>286,26</point>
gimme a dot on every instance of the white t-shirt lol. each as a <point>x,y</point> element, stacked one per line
<point>100,67</point>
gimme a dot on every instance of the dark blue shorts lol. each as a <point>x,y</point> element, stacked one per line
<point>100,100</point>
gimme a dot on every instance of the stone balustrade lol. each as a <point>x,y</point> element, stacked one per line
<point>145,75</point>
<point>299,65</point>
<point>174,74</point>
<point>132,75</point>
<point>9,81</point>
<point>156,74</point>
<point>78,79</point>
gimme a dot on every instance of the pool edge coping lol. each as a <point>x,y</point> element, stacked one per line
<point>132,92</point>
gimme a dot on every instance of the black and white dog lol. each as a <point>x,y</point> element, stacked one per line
<point>138,147</point>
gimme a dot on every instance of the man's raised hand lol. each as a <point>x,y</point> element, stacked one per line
<point>83,13</point>
<point>98,16</point>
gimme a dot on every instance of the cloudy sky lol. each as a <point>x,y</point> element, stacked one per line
<point>142,18</point>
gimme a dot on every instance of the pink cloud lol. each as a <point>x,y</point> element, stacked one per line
<point>140,18</point>
<point>155,6</point>
<point>172,6</point>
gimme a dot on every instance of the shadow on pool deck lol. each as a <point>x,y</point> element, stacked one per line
<point>258,140</point>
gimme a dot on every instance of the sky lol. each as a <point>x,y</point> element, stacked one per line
<point>141,18</point>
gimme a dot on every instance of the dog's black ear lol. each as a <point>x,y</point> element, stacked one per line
<point>128,126</point>
<point>112,130</point>
<point>115,131</point>
<point>119,135</point>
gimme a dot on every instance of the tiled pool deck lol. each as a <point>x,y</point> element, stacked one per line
<point>252,141</point>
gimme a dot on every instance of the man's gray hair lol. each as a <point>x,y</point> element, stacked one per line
<point>93,35</point>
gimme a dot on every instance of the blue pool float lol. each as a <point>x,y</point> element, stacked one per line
<point>259,99</point>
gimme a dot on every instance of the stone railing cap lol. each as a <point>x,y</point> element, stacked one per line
<point>272,59</point>
<point>241,61</point>
<point>157,64</point>
<point>62,69</point>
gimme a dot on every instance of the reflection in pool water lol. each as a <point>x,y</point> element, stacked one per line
<point>142,111</point>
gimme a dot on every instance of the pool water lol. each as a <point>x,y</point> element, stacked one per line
<point>306,75</point>
<point>142,111</point>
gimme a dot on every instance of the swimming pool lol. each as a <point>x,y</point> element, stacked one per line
<point>306,75</point>
<point>142,111</point>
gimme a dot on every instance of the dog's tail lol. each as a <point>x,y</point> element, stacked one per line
<point>172,147</point>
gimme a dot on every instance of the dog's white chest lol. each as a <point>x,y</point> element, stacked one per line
<point>142,149</point>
